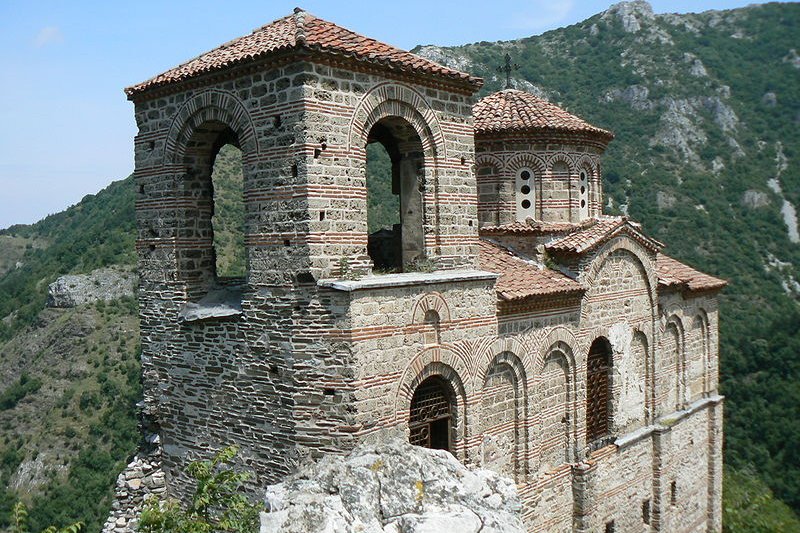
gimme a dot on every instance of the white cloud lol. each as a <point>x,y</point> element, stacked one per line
<point>48,35</point>
<point>542,14</point>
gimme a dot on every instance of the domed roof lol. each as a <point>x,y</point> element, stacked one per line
<point>515,111</point>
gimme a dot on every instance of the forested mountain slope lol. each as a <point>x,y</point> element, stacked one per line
<point>706,109</point>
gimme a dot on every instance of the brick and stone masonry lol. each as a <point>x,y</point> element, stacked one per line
<point>480,340</point>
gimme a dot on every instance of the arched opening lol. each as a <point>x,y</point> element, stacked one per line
<point>228,219</point>
<point>396,238</point>
<point>215,225</point>
<point>526,194</point>
<point>598,390</point>
<point>431,415</point>
<point>431,327</point>
<point>583,194</point>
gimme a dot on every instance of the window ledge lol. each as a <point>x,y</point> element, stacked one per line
<point>406,279</point>
<point>223,302</point>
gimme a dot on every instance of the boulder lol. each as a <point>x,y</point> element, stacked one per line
<point>102,284</point>
<point>392,487</point>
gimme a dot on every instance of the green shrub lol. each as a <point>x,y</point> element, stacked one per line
<point>217,505</point>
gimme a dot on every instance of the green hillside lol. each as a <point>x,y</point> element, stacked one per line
<point>706,109</point>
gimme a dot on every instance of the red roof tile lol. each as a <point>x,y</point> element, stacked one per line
<point>673,273</point>
<point>513,110</point>
<point>302,30</point>
<point>594,234</point>
<point>531,226</point>
<point>520,278</point>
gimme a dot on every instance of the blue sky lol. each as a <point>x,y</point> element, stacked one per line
<point>68,129</point>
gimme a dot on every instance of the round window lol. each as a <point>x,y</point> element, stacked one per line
<point>525,175</point>
<point>525,189</point>
<point>526,204</point>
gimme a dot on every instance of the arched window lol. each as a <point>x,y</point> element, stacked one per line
<point>598,390</point>
<point>526,195</point>
<point>431,327</point>
<point>214,184</point>
<point>583,194</point>
<point>430,419</point>
<point>395,193</point>
<point>227,220</point>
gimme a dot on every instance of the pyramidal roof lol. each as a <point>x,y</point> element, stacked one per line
<point>303,31</point>
<point>512,110</point>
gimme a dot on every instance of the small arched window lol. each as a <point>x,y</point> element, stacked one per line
<point>430,417</point>
<point>598,390</point>
<point>431,327</point>
<point>526,196</point>
<point>583,194</point>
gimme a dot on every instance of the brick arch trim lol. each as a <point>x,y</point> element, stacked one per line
<point>489,159</point>
<point>416,374</point>
<point>526,160</point>
<point>561,156</point>
<point>391,99</point>
<point>432,301</point>
<point>440,354</point>
<point>212,104</point>
<point>489,355</point>
<point>626,244</point>
<point>586,162</point>
<point>561,339</point>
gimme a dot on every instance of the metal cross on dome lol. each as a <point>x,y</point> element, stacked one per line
<point>508,68</point>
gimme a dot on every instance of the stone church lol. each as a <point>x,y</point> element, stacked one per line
<point>511,322</point>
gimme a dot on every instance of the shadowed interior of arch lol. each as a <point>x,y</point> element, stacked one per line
<point>598,389</point>
<point>395,240</point>
<point>430,416</point>
<point>214,179</point>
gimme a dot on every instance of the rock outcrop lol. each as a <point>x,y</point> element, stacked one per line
<point>102,284</point>
<point>392,487</point>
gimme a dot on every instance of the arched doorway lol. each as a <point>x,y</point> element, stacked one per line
<point>598,390</point>
<point>431,415</point>
<point>396,239</point>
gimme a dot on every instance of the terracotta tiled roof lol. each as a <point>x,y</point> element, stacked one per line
<point>602,230</point>
<point>531,226</point>
<point>513,110</point>
<point>673,273</point>
<point>520,278</point>
<point>302,30</point>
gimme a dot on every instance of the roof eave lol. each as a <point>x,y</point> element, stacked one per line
<point>471,84</point>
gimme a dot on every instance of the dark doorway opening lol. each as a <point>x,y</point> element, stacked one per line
<point>430,422</point>
<point>598,390</point>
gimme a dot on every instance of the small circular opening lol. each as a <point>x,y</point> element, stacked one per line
<point>526,204</point>
<point>525,189</point>
<point>525,175</point>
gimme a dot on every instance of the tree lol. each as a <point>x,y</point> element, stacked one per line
<point>217,504</point>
